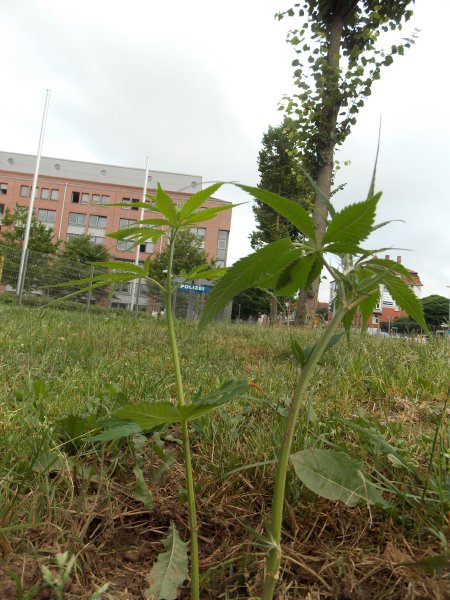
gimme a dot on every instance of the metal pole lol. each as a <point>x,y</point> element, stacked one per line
<point>21,277</point>
<point>134,292</point>
<point>88,302</point>
<point>22,281</point>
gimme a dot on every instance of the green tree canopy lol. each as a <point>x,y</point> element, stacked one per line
<point>13,231</point>
<point>338,57</point>
<point>82,249</point>
<point>279,173</point>
<point>251,303</point>
<point>436,310</point>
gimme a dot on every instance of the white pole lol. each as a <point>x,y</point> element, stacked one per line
<point>21,277</point>
<point>134,295</point>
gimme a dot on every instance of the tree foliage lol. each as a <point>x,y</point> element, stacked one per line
<point>251,303</point>
<point>82,249</point>
<point>279,173</point>
<point>13,231</point>
<point>339,56</point>
<point>436,310</point>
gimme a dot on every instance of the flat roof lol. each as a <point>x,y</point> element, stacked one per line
<point>63,168</point>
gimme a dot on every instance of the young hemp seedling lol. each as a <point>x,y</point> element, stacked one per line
<point>151,416</point>
<point>285,266</point>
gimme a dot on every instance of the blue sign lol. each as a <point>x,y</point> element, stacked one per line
<point>198,289</point>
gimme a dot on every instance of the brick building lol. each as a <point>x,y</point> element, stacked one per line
<point>386,311</point>
<point>73,199</point>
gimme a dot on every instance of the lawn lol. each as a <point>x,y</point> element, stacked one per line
<point>384,401</point>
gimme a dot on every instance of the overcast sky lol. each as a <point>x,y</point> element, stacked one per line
<point>195,85</point>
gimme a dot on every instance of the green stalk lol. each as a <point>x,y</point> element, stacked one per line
<point>195,572</point>
<point>304,377</point>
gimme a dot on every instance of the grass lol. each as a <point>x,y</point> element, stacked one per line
<point>383,401</point>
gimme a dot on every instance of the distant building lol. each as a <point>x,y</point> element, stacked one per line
<point>73,198</point>
<point>386,311</point>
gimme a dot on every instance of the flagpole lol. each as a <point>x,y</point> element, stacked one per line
<point>23,258</point>
<point>134,295</point>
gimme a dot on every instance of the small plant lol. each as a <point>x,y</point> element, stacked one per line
<point>152,416</point>
<point>285,266</point>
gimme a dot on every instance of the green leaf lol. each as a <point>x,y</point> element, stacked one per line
<point>292,211</point>
<point>170,570</point>
<point>438,564</point>
<point>165,205</point>
<point>145,233</point>
<point>141,491</point>
<point>331,343</point>
<point>115,430</point>
<point>367,307</point>
<point>295,276</point>
<point>277,266</point>
<point>204,405</point>
<point>196,200</point>
<point>119,265</point>
<point>405,298</point>
<point>334,475</point>
<point>352,224</point>
<point>207,214</point>
<point>149,415</point>
<point>298,353</point>
<point>242,275</point>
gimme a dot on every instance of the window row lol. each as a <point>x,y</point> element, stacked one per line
<point>94,220</point>
<point>46,193</point>
<point>85,198</point>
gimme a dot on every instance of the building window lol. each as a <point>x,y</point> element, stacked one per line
<point>126,201</point>
<point>148,247</point>
<point>46,216</point>
<point>24,191</point>
<point>45,194</point>
<point>375,320</point>
<point>222,244</point>
<point>200,232</point>
<point>97,221</point>
<point>3,189</point>
<point>54,194</point>
<point>97,239</point>
<point>77,219</point>
<point>76,197</point>
<point>71,236</point>
<point>105,199</point>
<point>125,245</point>
<point>84,198</point>
<point>2,209</point>
<point>95,199</point>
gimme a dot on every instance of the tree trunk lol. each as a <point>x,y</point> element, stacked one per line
<point>325,153</point>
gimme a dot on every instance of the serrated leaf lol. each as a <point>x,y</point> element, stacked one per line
<point>367,306</point>
<point>207,214</point>
<point>170,570</point>
<point>295,276</point>
<point>165,205</point>
<point>242,275</point>
<point>119,265</point>
<point>353,224</point>
<point>334,475</point>
<point>292,211</point>
<point>277,266</point>
<point>197,199</point>
<point>405,298</point>
<point>141,490</point>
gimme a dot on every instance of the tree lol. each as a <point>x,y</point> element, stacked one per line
<point>338,60</point>
<point>251,303</point>
<point>41,237</point>
<point>73,264</point>
<point>436,310</point>
<point>40,245</point>
<point>82,249</point>
<point>279,173</point>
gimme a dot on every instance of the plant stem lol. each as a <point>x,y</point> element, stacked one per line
<point>274,554</point>
<point>195,574</point>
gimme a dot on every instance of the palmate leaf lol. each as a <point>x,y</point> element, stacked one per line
<point>115,430</point>
<point>242,275</point>
<point>207,214</point>
<point>196,200</point>
<point>334,475</point>
<point>165,205</point>
<point>391,265</point>
<point>406,298</point>
<point>353,224</point>
<point>170,570</point>
<point>292,211</point>
<point>277,266</point>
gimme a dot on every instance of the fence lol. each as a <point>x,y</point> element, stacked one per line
<point>43,272</point>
